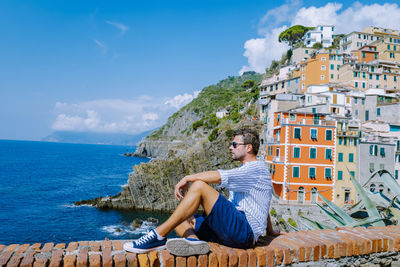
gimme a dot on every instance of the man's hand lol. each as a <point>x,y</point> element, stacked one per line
<point>181,188</point>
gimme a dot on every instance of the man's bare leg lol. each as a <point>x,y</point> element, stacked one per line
<point>186,228</point>
<point>200,193</point>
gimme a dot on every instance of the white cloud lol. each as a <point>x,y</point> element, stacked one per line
<point>101,45</point>
<point>117,115</point>
<point>179,101</point>
<point>261,51</point>
<point>123,28</point>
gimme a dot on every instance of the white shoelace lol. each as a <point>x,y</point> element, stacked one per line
<point>145,238</point>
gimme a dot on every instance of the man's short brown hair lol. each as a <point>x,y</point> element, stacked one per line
<point>249,137</point>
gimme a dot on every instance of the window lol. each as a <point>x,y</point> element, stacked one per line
<point>363,85</point>
<point>322,77</point>
<point>371,149</point>
<point>370,76</point>
<point>351,157</point>
<point>296,152</point>
<point>297,133</point>
<point>377,77</point>
<point>352,174</point>
<point>355,141</point>
<point>328,153</point>
<point>395,78</point>
<point>363,54</point>
<point>375,150</point>
<point>328,173</point>
<point>367,115</point>
<point>314,134</point>
<point>332,67</point>
<point>382,152</point>
<point>396,174</point>
<point>340,175</point>
<point>313,153</point>
<point>371,167</point>
<point>292,117</point>
<point>323,67</point>
<point>378,112</point>
<point>372,188</point>
<point>278,118</point>
<point>381,166</point>
<point>345,141</point>
<point>355,84</point>
<point>323,58</point>
<point>340,157</point>
<point>384,77</point>
<point>328,135</point>
<point>296,171</point>
<point>311,172</point>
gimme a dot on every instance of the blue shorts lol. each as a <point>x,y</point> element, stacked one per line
<point>225,225</point>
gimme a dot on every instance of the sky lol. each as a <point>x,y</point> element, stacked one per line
<point>125,66</point>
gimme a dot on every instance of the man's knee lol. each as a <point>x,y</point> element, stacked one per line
<point>198,186</point>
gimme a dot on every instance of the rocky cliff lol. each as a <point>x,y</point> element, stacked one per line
<point>192,140</point>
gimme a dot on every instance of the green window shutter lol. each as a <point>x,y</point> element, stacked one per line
<point>296,153</point>
<point>351,157</point>
<point>296,172</point>
<point>340,157</point>
<point>313,153</point>
<point>340,175</point>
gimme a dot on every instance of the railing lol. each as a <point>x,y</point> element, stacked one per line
<point>309,122</point>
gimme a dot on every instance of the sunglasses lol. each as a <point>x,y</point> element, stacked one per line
<point>234,144</point>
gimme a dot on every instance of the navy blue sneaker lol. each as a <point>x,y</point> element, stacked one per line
<point>187,246</point>
<point>147,242</point>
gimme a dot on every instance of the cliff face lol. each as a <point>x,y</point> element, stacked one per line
<point>193,140</point>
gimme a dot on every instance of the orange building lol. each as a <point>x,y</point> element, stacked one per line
<point>366,53</point>
<point>314,71</point>
<point>301,156</point>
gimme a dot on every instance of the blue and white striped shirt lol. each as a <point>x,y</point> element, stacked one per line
<point>250,189</point>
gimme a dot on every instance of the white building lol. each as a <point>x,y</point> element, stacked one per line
<point>321,34</point>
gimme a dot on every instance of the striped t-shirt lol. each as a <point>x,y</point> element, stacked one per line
<point>250,189</point>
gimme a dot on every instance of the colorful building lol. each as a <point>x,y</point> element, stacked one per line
<point>347,138</point>
<point>301,156</point>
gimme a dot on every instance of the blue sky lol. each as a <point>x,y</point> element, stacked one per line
<point>125,66</point>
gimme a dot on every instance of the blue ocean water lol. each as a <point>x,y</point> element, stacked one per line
<point>39,182</point>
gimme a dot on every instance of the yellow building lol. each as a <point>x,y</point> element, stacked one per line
<point>388,48</point>
<point>346,165</point>
<point>369,75</point>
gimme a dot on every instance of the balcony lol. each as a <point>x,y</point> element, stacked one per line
<point>286,121</point>
<point>276,159</point>
<point>273,140</point>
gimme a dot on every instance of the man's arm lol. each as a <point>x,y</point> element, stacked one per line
<point>270,229</point>
<point>210,177</point>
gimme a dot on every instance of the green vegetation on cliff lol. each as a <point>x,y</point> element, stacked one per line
<point>233,94</point>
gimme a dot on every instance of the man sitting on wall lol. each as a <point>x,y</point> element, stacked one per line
<point>237,222</point>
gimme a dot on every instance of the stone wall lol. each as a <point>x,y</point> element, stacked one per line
<point>373,246</point>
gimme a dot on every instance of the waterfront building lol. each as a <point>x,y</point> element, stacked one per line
<point>320,34</point>
<point>355,40</point>
<point>368,75</point>
<point>322,68</point>
<point>301,54</point>
<point>388,47</point>
<point>347,138</point>
<point>286,81</point>
<point>375,153</point>
<point>301,155</point>
<point>367,53</point>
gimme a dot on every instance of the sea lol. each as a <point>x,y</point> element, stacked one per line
<point>40,181</point>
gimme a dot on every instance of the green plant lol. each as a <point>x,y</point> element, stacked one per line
<point>197,124</point>
<point>213,136</point>
<point>292,222</point>
<point>293,35</point>
<point>273,212</point>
